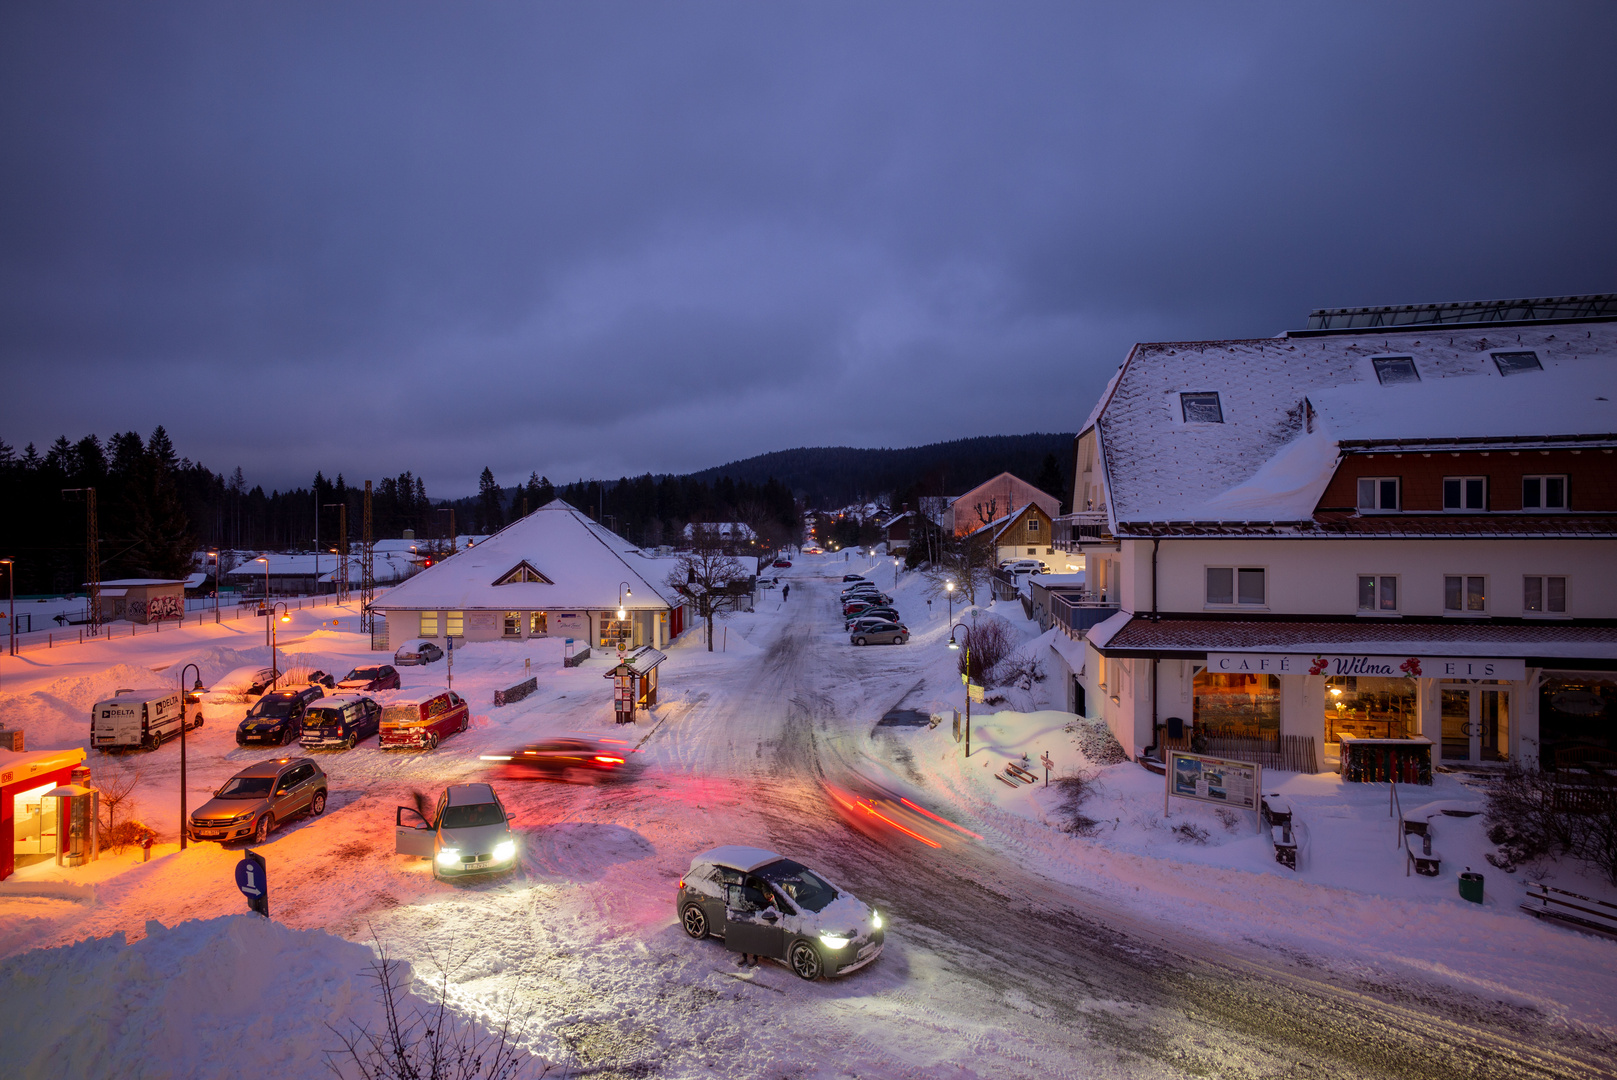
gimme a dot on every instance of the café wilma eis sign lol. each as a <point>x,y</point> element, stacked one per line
<point>1392,667</point>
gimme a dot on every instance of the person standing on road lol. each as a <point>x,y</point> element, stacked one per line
<point>785,591</point>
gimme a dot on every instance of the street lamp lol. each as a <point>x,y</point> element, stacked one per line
<point>895,571</point>
<point>213,557</point>
<point>267,612</point>
<point>623,590</point>
<point>285,617</point>
<point>185,821</point>
<point>966,678</point>
<point>11,630</point>
<point>948,587</point>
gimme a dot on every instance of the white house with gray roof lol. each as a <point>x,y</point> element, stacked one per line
<point>1395,527</point>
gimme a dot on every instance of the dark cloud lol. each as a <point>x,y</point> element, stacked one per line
<point>608,238</point>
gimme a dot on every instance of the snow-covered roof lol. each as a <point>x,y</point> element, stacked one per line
<point>726,529</point>
<point>737,857</point>
<point>584,562</point>
<point>388,566</point>
<point>1289,403</point>
<point>131,582</point>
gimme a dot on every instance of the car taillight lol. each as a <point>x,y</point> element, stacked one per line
<point>608,760</point>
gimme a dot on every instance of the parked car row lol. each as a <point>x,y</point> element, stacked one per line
<point>1025,566</point>
<point>869,616</point>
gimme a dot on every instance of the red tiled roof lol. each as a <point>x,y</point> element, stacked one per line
<point>1460,637</point>
<point>1328,525</point>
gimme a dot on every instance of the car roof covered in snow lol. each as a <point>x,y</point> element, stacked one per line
<point>468,794</point>
<point>339,700</point>
<point>737,857</point>
<point>416,695</point>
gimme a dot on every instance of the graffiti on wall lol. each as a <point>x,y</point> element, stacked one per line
<point>164,607</point>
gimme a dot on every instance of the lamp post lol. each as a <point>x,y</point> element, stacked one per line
<point>185,821</point>
<point>11,629</point>
<point>948,587</point>
<point>213,557</point>
<point>954,645</point>
<point>895,571</point>
<point>268,614</point>
<point>623,590</point>
<point>285,617</point>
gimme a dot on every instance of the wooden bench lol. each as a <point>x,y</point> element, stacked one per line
<point>1592,916</point>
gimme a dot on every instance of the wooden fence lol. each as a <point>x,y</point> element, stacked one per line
<point>1290,753</point>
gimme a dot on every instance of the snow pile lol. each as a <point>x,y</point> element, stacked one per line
<point>59,714</point>
<point>207,998</point>
<point>214,662</point>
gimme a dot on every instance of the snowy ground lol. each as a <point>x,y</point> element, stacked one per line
<point>1031,952</point>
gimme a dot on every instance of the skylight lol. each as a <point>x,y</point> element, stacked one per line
<point>1514,363</point>
<point>1201,408</point>
<point>1396,369</point>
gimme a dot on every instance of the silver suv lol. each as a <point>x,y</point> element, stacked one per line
<point>260,797</point>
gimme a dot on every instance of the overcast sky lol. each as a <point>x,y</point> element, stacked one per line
<point>608,238</point>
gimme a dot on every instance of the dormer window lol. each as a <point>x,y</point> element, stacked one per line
<point>1378,493</point>
<point>1201,407</point>
<point>1514,363</point>
<point>1396,369</point>
<point>522,571</point>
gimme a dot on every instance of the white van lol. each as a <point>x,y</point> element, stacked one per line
<point>137,719</point>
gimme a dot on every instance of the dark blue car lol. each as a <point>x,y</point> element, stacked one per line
<point>340,722</point>
<point>277,718</point>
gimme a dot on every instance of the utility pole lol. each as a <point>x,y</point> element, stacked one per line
<point>92,557</point>
<point>342,550</point>
<point>367,569</point>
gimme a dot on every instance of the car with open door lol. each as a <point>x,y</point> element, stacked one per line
<point>765,904</point>
<point>253,802</point>
<point>469,833</point>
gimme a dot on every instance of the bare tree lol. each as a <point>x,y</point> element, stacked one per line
<point>118,786</point>
<point>706,573</point>
<point>964,562</point>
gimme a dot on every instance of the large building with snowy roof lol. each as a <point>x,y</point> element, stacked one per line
<point>1398,524</point>
<point>554,573</point>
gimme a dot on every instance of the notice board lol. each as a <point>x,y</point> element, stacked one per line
<point>1237,784</point>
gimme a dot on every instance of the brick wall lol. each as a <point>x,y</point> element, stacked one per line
<point>1591,477</point>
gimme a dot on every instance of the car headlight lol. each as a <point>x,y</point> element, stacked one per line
<point>834,941</point>
<point>449,857</point>
<point>505,849</point>
<point>875,920</point>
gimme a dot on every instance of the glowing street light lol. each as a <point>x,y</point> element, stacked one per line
<point>286,616</point>
<point>954,646</point>
<point>948,587</point>
<point>185,822</point>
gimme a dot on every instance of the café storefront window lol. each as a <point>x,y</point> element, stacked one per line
<point>1577,720</point>
<point>1366,707</point>
<point>614,631</point>
<point>537,624</point>
<point>1228,706</point>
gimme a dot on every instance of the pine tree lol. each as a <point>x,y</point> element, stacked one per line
<point>1050,480</point>
<point>490,503</point>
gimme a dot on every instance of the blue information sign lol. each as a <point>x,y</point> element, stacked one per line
<point>253,881</point>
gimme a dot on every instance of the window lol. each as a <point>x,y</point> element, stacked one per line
<point>522,571</point>
<point>1544,493</point>
<point>513,624</point>
<point>1378,592</point>
<point>1396,369</point>
<point>454,624</point>
<point>1368,707</point>
<point>1465,595</point>
<point>1235,705</point>
<point>1033,551</point>
<point>1378,493</point>
<point>536,624</point>
<point>1465,493</point>
<point>1032,524</point>
<point>429,624</point>
<point>1201,408</point>
<point>1544,595</point>
<point>1235,585</point>
<point>614,631</point>
<point>1514,363</point>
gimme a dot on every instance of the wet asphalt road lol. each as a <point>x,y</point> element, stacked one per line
<point>1087,975</point>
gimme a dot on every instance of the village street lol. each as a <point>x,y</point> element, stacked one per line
<point>991,967</point>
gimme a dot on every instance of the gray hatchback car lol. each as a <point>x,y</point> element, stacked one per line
<point>887,633</point>
<point>257,799</point>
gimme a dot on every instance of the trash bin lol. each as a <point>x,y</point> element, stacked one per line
<point>1471,887</point>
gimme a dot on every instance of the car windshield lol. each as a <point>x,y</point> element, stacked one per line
<point>800,883</point>
<point>271,709</point>
<point>472,815</point>
<point>366,673</point>
<point>320,717</point>
<point>247,787</point>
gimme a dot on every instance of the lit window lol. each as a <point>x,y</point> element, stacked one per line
<point>1465,493</point>
<point>1201,408</point>
<point>1378,493</point>
<point>1544,493</point>
<point>1465,595</point>
<point>1396,369</point>
<point>1545,595</point>
<point>1378,592</point>
<point>536,623</point>
<point>454,624</point>
<point>1514,363</point>
<point>513,624</point>
<point>1235,585</point>
<point>429,624</point>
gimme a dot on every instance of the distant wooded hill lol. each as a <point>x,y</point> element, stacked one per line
<point>832,476</point>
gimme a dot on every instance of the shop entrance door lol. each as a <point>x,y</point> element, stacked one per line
<point>1476,724</point>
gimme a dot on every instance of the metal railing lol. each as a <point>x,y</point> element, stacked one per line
<point>1076,616</point>
<point>1083,527</point>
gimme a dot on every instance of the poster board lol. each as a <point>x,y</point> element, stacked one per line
<point>1236,784</point>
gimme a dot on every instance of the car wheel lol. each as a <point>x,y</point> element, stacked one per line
<point>265,824</point>
<point>805,960</point>
<point>694,921</point>
<point>317,805</point>
<point>432,740</point>
<point>858,641</point>
<point>903,639</point>
<point>153,740</point>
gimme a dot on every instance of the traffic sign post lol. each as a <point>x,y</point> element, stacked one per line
<point>253,880</point>
<point>1048,765</point>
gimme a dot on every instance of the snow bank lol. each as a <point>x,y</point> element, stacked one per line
<point>207,998</point>
<point>58,715</point>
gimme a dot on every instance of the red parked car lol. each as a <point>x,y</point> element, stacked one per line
<point>421,719</point>
<point>368,680</point>
<point>782,564</point>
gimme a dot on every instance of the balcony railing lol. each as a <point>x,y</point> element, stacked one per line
<point>1076,616</point>
<point>1084,527</point>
